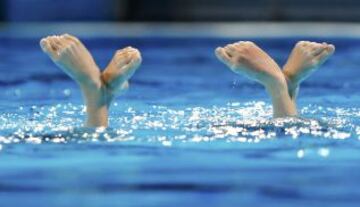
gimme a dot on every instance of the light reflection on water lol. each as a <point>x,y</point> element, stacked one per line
<point>173,139</point>
<point>237,122</point>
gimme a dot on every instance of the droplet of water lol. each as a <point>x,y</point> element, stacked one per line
<point>167,143</point>
<point>67,92</point>
<point>300,153</point>
<point>324,152</point>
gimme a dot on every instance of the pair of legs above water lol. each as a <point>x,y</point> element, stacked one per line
<point>248,59</point>
<point>98,88</point>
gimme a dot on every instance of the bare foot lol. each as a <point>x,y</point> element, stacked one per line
<point>248,59</point>
<point>305,58</point>
<point>120,69</point>
<point>98,89</point>
<point>70,54</point>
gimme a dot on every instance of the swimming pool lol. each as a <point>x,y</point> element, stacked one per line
<point>188,133</point>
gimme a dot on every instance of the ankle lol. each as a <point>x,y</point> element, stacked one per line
<point>93,83</point>
<point>283,105</point>
<point>97,116</point>
<point>292,86</point>
<point>277,93</point>
<point>276,85</point>
<point>97,106</point>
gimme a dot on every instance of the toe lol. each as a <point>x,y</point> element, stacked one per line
<point>121,57</point>
<point>45,45</point>
<point>71,38</point>
<point>50,47</point>
<point>135,58</point>
<point>125,51</point>
<point>127,56</point>
<point>53,44</point>
<point>222,55</point>
<point>302,43</point>
<point>58,41</point>
<point>318,49</point>
<point>66,40</point>
<point>325,54</point>
<point>129,48</point>
<point>330,48</point>
<point>231,49</point>
<point>311,46</point>
<point>240,43</point>
<point>57,47</point>
<point>138,57</point>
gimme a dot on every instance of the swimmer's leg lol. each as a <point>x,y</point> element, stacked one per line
<point>305,58</point>
<point>71,56</point>
<point>248,59</point>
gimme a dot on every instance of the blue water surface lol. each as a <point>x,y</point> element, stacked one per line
<point>188,133</point>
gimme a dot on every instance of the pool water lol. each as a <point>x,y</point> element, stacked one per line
<point>188,133</point>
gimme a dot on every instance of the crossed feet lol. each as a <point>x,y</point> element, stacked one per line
<point>248,59</point>
<point>98,88</point>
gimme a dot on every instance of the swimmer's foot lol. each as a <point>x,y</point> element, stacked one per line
<point>98,89</point>
<point>73,58</point>
<point>304,59</point>
<point>248,59</point>
<point>120,69</point>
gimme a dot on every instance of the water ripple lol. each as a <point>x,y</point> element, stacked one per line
<point>236,122</point>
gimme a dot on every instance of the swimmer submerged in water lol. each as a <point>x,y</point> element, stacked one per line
<point>98,88</point>
<point>248,59</point>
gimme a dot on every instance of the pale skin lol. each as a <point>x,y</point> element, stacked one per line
<point>246,58</point>
<point>98,88</point>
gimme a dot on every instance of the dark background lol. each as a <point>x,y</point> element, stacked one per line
<point>179,10</point>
